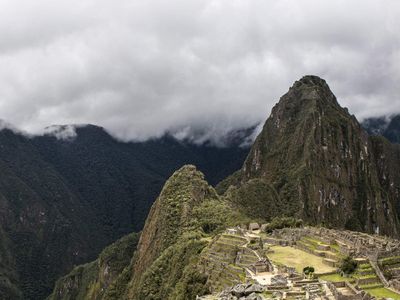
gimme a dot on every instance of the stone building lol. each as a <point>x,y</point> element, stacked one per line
<point>261,266</point>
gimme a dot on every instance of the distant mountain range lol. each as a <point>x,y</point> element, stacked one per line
<point>66,195</point>
<point>389,127</point>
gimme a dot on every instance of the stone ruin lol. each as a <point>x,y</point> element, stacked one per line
<point>346,291</point>
<point>350,242</point>
<point>279,280</point>
<point>261,266</point>
<point>248,291</point>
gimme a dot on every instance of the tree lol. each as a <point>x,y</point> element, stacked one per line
<point>308,271</point>
<point>349,265</point>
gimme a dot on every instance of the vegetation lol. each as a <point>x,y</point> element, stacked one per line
<point>187,211</point>
<point>182,221</point>
<point>308,271</point>
<point>90,281</point>
<point>283,222</point>
<point>174,275</point>
<point>348,266</point>
<point>383,293</point>
<point>335,278</point>
<point>68,200</point>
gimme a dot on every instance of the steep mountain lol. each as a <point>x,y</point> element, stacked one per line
<point>166,263</point>
<point>387,127</point>
<point>63,200</point>
<point>313,160</point>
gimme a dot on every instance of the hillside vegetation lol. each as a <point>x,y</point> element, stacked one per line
<point>63,201</point>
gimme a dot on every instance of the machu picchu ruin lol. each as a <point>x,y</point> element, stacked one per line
<point>248,263</point>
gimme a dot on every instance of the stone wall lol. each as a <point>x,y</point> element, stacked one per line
<point>355,294</point>
<point>350,242</point>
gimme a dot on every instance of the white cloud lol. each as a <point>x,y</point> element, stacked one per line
<point>139,68</point>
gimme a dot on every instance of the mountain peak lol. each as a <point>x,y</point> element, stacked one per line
<point>312,80</point>
<point>314,159</point>
<point>310,87</point>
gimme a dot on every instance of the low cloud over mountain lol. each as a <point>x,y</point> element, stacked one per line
<point>141,68</point>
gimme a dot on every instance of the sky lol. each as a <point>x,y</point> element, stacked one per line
<point>141,68</point>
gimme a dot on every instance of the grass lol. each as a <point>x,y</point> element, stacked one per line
<point>383,293</point>
<point>364,266</point>
<point>390,260</point>
<point>336,247</point>
<point>371,286</point>
<point>314,241</point>
<point>335,278</point>
<point>298,259</point>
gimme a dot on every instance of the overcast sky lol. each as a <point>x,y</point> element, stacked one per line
<point>141,67</point>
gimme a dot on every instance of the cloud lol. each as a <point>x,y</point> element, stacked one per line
<point>141,68</point>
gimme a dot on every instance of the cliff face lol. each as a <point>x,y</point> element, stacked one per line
<point>313,160</point>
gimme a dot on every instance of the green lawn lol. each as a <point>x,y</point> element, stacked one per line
<point>298,259</point>
<point>383,293</point>
<point>335,278</point>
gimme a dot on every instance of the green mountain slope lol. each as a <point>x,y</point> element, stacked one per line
<point>63,201</point>
<point>165,264</point>
<point>93,279</point>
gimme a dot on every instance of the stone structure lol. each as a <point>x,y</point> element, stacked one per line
<point>241,291</point>
<point>349,242</point>
<point>232,231</point>
<point>261,266</point>
<point>254,226</point>
<point>346,291</point>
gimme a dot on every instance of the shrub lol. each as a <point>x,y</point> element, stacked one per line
<point>349,265</point>
<point>283,222</point>
<point>308,270</point>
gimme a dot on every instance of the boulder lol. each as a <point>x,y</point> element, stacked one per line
<point>254,288</point>
<point>239,290</point>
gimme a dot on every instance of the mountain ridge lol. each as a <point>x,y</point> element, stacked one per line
<point>62,201</point>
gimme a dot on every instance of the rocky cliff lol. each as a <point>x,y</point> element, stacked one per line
<point>313,160</point>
